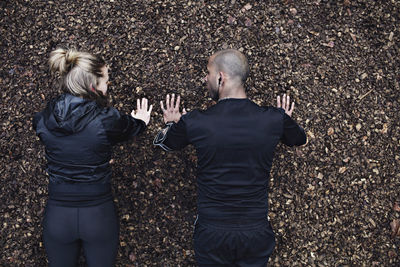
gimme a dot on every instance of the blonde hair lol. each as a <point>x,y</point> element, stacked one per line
<point>79,71</point>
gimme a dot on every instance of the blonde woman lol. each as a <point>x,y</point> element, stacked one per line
<point>78,130</point>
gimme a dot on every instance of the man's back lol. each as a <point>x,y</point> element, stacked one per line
<point>235,142</point>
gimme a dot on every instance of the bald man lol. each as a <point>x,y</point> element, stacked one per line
<point>235,141</point>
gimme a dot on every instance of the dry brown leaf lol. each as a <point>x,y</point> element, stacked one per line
<point>132,257</point>
<point>331,131</point>
<point>248,6</point>
<point>231,20</point>
<point>342,169</point>
<point>248,22</point>
<point>353,36</point>
<point>293,11</point>
<point>396,206</point>
<point>331,44</point>
<point>395,225</point>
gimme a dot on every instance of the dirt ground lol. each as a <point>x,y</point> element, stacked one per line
<point>332,202</point>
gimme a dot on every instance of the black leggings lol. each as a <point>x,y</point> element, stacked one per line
<point>95,227</point>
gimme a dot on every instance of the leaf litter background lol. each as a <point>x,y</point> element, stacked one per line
<point>332,202</point>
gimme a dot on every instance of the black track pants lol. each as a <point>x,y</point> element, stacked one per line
<point>96,228</point>
<point>227,244</point>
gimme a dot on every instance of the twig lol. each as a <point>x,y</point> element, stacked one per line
<point>360,98</point>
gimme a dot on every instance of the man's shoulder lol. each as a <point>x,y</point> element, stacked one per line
<point>273,109</point>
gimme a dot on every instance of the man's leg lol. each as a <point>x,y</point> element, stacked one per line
<point>213,245</point>
<point>255,245</point>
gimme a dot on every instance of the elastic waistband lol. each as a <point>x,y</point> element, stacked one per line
<point>79,194</point>
<point>232,223</point>
<point>79,188</point>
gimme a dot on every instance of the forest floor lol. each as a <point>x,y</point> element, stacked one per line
<point>332,202</point>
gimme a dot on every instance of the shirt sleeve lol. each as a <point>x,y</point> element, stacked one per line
<point>293,134</point>
<point>173,136</point>
<point>121,127</point>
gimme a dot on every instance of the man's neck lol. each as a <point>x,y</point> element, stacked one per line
<point>233,93</point>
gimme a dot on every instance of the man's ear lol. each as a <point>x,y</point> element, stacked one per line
<point>221,79</point>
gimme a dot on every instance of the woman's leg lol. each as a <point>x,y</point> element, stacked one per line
<point>60,236</point>
<point>99,231</point>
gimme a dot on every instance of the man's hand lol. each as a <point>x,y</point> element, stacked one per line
<point>171,113</point>
<point>141,112</point>
<point>285,104</point>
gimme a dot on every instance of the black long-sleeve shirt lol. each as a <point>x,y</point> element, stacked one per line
<point>235,142</point>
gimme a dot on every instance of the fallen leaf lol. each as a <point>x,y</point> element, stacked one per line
<point>293,11</point>
<point>231,20</point>
<point>346,2</point>
<point>248,6</point>
<point>331,131</point>
<point>395,225</point>
<point>331,44</point>
<point>392,253</point>
<point>353,36</point>
<point>132,257</point>
<point>384,128</point>
<point>342,169</point>
<point>396,206</point>
<point>248,22</point>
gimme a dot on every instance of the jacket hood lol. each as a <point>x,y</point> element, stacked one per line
<point>69,114</point>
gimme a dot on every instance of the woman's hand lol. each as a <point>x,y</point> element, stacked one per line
<point>141,112</point>
<point>171,113</point>
<point>285,104</point>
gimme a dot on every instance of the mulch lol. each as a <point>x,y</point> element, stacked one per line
<point>332,202</point>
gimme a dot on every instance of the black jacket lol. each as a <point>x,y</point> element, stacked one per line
<point>78,136</point>
<point>235,142</point>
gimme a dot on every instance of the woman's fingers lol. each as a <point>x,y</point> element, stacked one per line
<point>150,109</point>
<point>292,108</point>
<point>138,104</point>
<point>178,101</point>
<point>278,101</point>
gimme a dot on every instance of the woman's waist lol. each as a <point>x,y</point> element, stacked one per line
<point>79,194</point>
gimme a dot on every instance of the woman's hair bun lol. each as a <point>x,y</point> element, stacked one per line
<point>62,60</point>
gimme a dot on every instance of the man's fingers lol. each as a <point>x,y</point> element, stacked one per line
<point>144,103</point>
<point>150,109</point>
<point>167,102</point>
<point>287,102</point>
<point>184,111</point>
<point>162,106</point>
<point>278,101</point>
<point>172,101</point>
<point>284,101</point>
<point>138,104</point>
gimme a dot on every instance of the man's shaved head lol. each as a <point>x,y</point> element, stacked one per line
<point>233,63</point>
